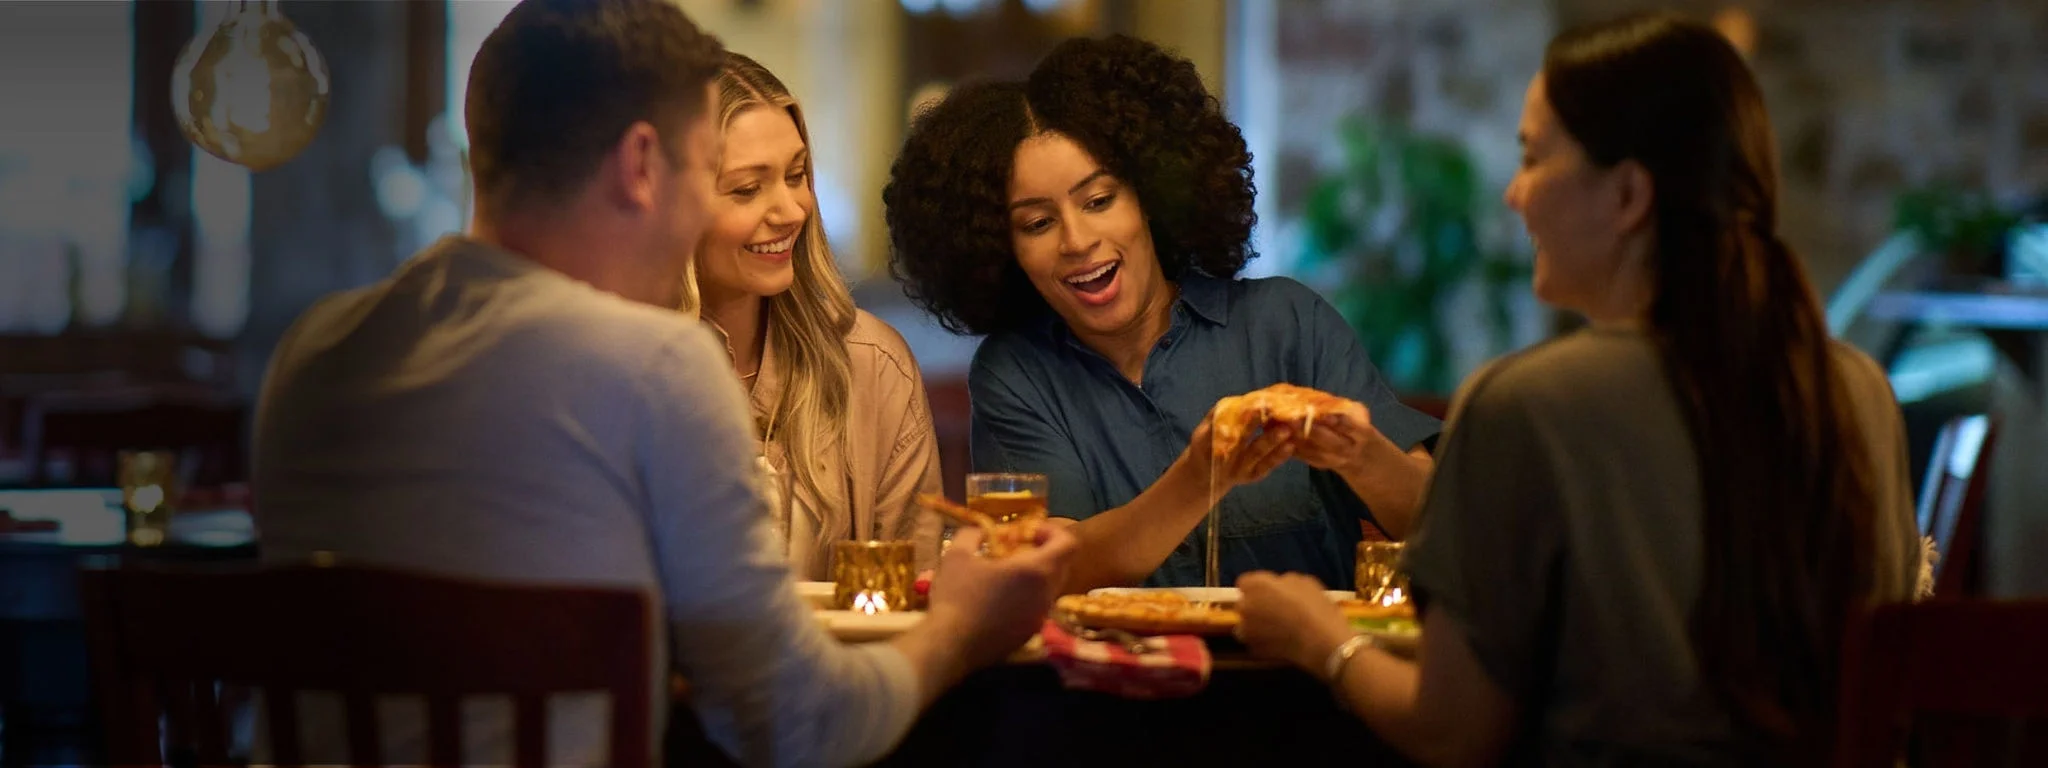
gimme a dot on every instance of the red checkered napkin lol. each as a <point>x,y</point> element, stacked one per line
<point>1174,667</point>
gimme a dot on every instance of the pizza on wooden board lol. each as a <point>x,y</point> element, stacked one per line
<point>1235,417</point>
<point>1147,613</point>
<point>1164,612</point>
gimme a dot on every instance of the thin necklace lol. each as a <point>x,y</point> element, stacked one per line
<point>732,355</point>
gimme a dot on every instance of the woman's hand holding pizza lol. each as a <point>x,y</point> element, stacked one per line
<point>1323,430</point>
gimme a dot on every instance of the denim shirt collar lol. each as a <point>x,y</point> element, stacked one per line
<point>1204,297</point>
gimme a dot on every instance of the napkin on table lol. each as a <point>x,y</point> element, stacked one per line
<point>1175,666</point>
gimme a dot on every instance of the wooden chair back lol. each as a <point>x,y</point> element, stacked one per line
<point>165,642</point>
<point>90,427</point>
<point>1905,666</point>
<point>1951,500</point>
<point>952,413</point>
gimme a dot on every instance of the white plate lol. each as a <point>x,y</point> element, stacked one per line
<point>1205,594</point>
<point>817,594</point>
<point>858,627</point>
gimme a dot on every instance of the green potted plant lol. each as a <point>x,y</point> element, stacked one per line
<point>1967,229</point>
<point>1391,234</point>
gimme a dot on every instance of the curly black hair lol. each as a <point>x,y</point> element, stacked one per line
<point>1140,111</point>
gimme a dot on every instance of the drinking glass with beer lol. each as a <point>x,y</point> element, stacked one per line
<point>1008,497</point>
<point>149,494</point>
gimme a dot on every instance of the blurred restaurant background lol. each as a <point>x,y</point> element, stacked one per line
<point>1913,138</point>
<point>143,282</point>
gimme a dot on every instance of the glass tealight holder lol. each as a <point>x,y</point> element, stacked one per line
<point>873,576</point>
<point>149,494</point>
<point>1380,578</point>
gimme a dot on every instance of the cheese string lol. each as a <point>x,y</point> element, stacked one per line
<point>1212,574</point>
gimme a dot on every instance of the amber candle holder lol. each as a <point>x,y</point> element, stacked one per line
<point>1380,578</point>
<point>873,576</point>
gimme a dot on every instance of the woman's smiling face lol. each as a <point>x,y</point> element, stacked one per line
<point>762,200</point>
<point>1081,237</point>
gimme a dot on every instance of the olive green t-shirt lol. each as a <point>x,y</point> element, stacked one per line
<point>1562,533</point>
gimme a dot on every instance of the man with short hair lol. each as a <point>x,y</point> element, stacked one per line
<point>521,403</point>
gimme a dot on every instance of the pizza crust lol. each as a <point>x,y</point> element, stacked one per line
<point>1171,613</point>
<point>1147,613</point>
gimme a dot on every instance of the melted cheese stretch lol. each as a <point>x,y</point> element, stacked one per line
<point>1211,572</point>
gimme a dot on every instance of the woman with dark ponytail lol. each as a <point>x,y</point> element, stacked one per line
<point>1643,539</point>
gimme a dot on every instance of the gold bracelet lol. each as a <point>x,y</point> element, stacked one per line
<point>1334,667</point>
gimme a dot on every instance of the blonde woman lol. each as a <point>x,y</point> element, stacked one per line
<point>839,407</point>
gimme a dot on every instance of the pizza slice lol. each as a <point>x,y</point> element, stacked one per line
<point>1166,612</point>
<point>1236,417</point>
<point>1000,538</point>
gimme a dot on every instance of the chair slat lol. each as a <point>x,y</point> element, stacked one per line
<point>1952,500</point>
<point>529,723</point>
<point>211,722</point>
<point>1903,662</point>
<point>629,747</point>
<point>282,704</point>
<point>364,632</point>
<point>444,731</point>
<point>123,699</point>
<point>364,745</point>
<point>180,712</point>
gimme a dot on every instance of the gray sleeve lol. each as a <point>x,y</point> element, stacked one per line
<point>1903,572</point>
<point>770,686</point>
<point>1488,551</point>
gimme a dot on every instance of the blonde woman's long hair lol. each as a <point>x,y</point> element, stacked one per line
<point>808,323</point>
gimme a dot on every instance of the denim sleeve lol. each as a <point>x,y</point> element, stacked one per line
<point>1015,428</point>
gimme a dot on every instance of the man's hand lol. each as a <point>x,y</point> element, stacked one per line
<point>992,605</point>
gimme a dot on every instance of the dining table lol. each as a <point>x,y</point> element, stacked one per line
<point>1251,712</point>
<point>1248,715</point>
<point>45,678</point>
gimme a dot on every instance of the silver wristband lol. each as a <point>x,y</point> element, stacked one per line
<point>1333,668</point>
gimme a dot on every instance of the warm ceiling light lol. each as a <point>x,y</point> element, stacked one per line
<point>253,91</point>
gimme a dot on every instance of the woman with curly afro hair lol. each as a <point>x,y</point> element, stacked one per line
<point>1091,223</point>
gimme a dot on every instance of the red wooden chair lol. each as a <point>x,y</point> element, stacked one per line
<point>91,426</point>
<point>1434,406</point>
<point>162,639</point>
<point>951,415</point>
<point>1952,500</point>
<point>1955,673</point>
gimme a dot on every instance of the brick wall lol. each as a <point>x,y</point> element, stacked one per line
<point>1454,68</point>
<point>1870,97</point>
